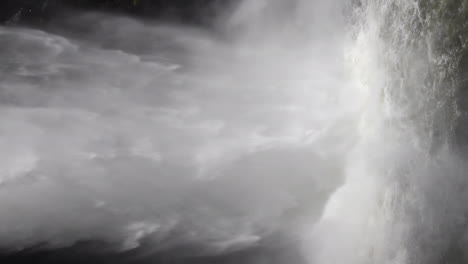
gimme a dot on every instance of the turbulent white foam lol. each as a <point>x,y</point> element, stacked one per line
<point>401,201</point>
<point>123,131</point>
<point>302,121</point>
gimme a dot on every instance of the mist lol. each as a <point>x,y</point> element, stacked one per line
<point>301,132</point>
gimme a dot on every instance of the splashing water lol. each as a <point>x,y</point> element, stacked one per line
<point>335,123</point>
<point>402,201</point>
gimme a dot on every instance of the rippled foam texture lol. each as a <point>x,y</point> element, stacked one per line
<point>296,132</point>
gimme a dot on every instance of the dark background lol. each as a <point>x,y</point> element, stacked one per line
<point>185,11</point>
<point>98,253</point>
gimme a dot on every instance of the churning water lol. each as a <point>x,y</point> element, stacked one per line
<point>332,129</point>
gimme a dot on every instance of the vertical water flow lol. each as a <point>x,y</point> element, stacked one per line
<point>403,198</point>
<point>357,100</point>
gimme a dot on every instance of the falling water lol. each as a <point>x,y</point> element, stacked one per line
<point>402,201</point>
<point>330,130</point>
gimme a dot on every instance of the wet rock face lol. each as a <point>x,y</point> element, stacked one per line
<point>39,11</point>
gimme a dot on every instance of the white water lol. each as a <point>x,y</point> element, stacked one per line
<point>296,121</point>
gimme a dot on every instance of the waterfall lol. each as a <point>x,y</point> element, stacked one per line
<point>303,131</point>
<point>402,201</point>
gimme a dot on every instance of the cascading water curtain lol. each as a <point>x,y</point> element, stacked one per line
<point>407,174</point>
